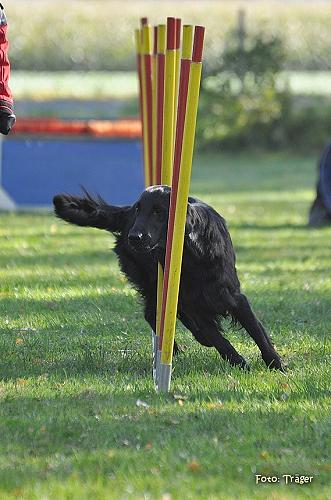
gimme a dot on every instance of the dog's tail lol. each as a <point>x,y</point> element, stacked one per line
<point>89,211</point>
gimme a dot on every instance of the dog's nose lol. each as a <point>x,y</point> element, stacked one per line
<point>136,238</point>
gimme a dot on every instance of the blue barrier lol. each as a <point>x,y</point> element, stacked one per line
<point>33,170</point>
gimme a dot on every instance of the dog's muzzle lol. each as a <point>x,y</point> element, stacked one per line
<point>139,241</point>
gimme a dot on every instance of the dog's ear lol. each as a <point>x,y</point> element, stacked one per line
<point>193,229</point>
<point>88,211</point>
<point>205,232</point>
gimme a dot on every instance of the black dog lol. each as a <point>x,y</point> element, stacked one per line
<point>209,286</point>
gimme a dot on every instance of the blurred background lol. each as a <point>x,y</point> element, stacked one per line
<point>267,70</point>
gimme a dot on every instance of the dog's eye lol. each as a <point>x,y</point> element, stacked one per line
<point>137,208</point>
<point>157,210</point>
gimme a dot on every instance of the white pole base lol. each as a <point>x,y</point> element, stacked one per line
<point>155,343</point>
<point>164,378</point>
<point>158,362</point>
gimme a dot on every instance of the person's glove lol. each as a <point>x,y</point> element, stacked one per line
<point>7,117</point>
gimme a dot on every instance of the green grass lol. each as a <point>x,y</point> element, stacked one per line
<point>75,357</point>
<point>38,85</point>
<point>74,85</point>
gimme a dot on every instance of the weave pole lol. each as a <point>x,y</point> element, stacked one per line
<point>178,207</point>
<point>169,102</point>
<point>138,43</point>
<point>168,130</point>
<point>177,66</point>
<point>184,72</point>
<point>147,102</point>
<point>182,103</point>
<point>154,104</point>
<point>160,70</point>
<point>169,93</point>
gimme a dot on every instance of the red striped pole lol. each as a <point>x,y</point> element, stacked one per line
<point>147,68</point>
<point>154,94</point>
<point>160,74</point>
<point>169,92</point>
<point>169,102</point>
<point>181,112</point>
<point>138,58</point>
<point>160,66</point>
<point>177,65</point>
<point>181,186</point>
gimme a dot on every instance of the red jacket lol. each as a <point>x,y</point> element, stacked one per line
<point>5,92</point>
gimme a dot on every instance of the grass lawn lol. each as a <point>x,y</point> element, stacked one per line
<point>74,85</point>
<point>119,85</point>
<point>75,357</point>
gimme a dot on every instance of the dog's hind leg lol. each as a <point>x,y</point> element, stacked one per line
<point>243,313</point>
<point>207,333</point>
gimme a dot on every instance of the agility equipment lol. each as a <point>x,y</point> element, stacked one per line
<point>143,45</point>
<point>7,117</point>
<point>66,148</point>
<point>169,95</point>
<point>158,112</point>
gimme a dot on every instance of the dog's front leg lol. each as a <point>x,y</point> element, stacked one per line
<point>207,332</point>
<point>243,313</point>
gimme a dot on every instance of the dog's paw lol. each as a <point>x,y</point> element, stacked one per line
<point>275,364</point>
<point>244,365</point>
<point>240,362</point>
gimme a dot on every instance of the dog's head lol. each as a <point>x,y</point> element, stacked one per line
<point>150,220</point>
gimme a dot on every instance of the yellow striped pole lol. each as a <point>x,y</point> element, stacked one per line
<point>187,41</point>
<point>146,81</point>
<point>154,111</point>
<point>177,66</point>
<point>169,102</point>
<point>144,116</point>
<point>180,212</point>
<point>167,144</point>
<point>161,48</point>
<point>159,298</point>
<point>138,43</point>
<point>181,113</point>
<point>160,68</point>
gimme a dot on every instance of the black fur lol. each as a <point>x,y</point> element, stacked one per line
<point>209,286</point>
